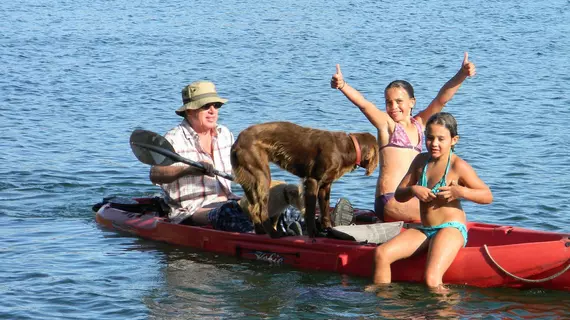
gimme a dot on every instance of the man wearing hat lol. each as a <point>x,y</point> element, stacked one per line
<point>197,196</point>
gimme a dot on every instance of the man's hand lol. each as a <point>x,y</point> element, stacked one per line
<point>208,168</point>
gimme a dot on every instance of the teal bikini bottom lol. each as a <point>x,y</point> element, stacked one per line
<point>431,231</point>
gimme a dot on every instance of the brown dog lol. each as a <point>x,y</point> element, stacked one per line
<point>281,196</point>
<point>319,157</point>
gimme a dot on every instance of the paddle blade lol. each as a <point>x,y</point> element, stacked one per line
<point>152,148</point>
<point>141,138</point>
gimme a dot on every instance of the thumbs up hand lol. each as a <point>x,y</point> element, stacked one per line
<point>337,81</point>
<point>467,67</point>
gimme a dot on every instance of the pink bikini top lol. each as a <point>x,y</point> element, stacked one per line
<point>400,139</point>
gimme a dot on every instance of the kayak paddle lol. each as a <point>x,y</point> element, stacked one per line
<point>153,149</point>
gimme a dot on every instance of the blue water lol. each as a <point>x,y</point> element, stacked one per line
<point>79,76</point>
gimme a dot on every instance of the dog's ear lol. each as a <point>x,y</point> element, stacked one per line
<point>370,152</point>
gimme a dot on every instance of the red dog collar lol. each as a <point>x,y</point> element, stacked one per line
<point>357,147</point>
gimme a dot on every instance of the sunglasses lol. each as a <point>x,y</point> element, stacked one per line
<point>207,106</point>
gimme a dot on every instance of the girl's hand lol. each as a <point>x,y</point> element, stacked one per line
<point>423,193</point>
<point>337,81</point>
<point>451,192</point>
<point>467,67</point>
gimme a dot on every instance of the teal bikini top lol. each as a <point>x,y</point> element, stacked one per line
<point>441,183</point>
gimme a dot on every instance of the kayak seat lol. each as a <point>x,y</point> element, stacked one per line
<point>367,233</point>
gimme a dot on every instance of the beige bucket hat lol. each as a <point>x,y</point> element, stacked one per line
<point>197,94</point>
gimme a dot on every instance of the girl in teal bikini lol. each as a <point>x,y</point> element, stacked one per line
<point>400,134</point>
<point>439,179</point>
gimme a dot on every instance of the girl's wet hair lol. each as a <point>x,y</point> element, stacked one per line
<point>444,119</point>
<point>403,84</point>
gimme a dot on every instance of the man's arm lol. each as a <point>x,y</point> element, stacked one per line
<point>169,174</point>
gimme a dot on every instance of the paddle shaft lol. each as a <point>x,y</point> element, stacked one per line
<point>178,158</point>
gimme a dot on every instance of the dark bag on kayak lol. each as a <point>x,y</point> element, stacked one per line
<point>156,204</point>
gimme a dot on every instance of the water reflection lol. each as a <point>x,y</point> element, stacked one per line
<point>206,285</point>
<point>399,300</point>
<point>545,304</point>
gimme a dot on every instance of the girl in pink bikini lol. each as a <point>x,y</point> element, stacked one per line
<point>400,135</point>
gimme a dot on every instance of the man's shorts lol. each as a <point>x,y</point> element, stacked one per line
<point>230,217</point>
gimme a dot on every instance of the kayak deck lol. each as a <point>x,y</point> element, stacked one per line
<point>523,252</point>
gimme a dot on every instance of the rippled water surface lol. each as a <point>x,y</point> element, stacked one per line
<point>79,76</point>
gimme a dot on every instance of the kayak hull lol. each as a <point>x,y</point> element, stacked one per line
<point>522,252</point>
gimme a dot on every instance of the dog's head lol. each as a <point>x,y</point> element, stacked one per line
<point>369,150</point>
<point>294,196</point>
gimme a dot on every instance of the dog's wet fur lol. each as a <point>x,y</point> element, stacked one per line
<point>319,157</point>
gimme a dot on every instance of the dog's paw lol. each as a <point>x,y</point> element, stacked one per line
<point>324,232</point>
<point>313,232</point>
<point>319,234</point>
<point>275,234</point>
<point>259,229</point>
<point>271,231</point>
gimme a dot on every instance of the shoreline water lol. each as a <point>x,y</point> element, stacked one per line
<point>79,77</point>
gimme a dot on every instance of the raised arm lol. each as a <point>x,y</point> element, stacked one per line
<point>377,117</point>
<point>448,90</point>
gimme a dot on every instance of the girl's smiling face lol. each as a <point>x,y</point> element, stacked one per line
<point>398,103</point>
<point>439,141</point>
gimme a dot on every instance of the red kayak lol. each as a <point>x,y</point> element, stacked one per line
<point>495,255</point>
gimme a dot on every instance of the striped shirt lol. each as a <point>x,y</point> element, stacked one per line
<point>190,193</point>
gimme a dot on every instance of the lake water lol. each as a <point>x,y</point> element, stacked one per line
<point>79,76</point>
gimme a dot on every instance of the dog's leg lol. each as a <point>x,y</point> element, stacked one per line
<point>251,189</point>
<point>261,193</point>
<point>251,170</point>
<point>324,201</point>
<point>262,190</point>
<point>253,209</point>
<point>311,189</point>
